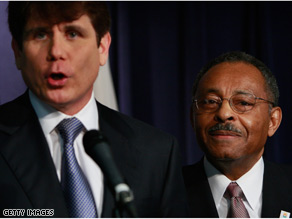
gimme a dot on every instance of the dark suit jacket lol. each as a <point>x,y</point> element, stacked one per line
<point>277,190</point>
<point>148,159</point>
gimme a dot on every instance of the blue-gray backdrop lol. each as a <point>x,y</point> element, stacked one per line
<point>158,48</point>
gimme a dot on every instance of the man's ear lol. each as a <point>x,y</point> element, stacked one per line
<point>17,53</point>
<point>104,48</point>
<point>275,120</point>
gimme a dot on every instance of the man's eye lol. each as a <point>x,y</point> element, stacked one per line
<point>244,103</point>
<point>72,34</point>
<point>40,35</point>
<point>209,101</point>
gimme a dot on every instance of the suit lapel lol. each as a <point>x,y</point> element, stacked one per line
<point>117,132</point>
<point>26,152</point>
<point>199,194</point>
<point>277,191</point>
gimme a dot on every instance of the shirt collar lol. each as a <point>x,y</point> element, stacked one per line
<point>251,182</point>
<point>49,117</point>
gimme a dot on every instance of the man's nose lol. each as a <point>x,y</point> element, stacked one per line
<point>56,49</point>
<point>225,112</point>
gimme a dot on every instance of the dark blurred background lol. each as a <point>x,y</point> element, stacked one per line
<point>158,48</point>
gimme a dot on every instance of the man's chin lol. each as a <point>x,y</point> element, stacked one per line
<point>57,96</point>
<point>223,157</point>
<point>56,101</point>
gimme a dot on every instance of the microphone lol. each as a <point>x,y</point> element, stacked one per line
<point>97,147</point>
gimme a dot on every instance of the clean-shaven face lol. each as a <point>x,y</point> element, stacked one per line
<point>60,63</point>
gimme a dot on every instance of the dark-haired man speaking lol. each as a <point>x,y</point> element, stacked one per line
<point>59,47</point>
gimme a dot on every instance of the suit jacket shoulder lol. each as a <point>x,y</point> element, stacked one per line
<point>149,159</point>
<point>277,189</point>
<point>135,129</point>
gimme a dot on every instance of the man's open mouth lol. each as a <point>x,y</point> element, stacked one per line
<point>57,76</point>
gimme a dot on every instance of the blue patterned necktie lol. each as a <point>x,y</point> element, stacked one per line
<point>75,186</point>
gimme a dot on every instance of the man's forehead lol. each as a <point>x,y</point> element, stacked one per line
<point>36,21</point>
<point>236,76</point>
<point>233,70</point>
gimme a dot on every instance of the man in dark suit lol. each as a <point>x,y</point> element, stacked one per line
<point>59,47</point>
<point>235,108</point>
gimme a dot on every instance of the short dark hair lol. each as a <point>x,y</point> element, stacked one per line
<point>54,12</point>
<point>238,56</point>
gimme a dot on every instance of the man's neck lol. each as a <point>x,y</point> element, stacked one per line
<point>234,169</point>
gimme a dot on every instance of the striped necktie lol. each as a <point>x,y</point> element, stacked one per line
<point>237,208</point>
<point>75,186</point>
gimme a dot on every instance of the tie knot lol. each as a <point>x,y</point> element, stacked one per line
<point>233,190</point>
<point>69,129</point>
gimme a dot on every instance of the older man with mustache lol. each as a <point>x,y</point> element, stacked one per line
<point>234,110</point>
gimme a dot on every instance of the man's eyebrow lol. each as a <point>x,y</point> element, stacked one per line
<point>212,90</point>
<point>207,91</point>
<point>68,27</point>
<point>34,30</point>
<point>76,27</point>
<point>242,92</point>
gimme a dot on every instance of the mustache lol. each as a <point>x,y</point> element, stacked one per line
<point>225,127</point>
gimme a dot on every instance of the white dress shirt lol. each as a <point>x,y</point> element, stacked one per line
<point>49,118</point>
<point>251,184</point>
